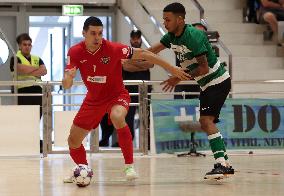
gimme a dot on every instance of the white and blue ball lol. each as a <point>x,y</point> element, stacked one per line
<point>82,175</point>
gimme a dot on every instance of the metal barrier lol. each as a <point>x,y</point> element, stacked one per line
<point>47,116</point>
<point>47,105</point>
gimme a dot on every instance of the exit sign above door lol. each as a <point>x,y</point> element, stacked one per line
<point>72,10</point>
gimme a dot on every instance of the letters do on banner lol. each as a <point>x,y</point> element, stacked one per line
<point>244,124</point>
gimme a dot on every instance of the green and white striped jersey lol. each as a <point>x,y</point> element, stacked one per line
<point>190,44</point>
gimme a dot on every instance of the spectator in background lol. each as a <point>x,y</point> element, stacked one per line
<point>272,11</point>
<point>29,68</point>
<point>136,70</point>
<point>252,10</point>
<point>132,70</point>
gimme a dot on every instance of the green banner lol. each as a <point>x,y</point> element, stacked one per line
<point>244,124</point>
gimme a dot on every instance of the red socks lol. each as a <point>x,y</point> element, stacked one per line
<point>79,155</point>
<point>125,142</point>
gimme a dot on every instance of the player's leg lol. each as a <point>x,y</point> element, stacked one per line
<point>211,102</point>
<point>124,136</point>
<point>117,117</point>
<point>82,124</point>
<point>118,112</point>
<point>84,121</point>
<point>77,150</point>
<point>217,147</point>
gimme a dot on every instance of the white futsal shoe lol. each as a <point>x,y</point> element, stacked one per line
<point>130,173</point>
<point>70,178</point>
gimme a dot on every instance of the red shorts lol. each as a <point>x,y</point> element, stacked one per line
<point>90,114</point>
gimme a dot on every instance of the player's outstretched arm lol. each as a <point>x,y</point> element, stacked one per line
<point>69,75</point>
<point>170,83</point>
<point>153,58</point>
<point>156,48</point>
<point>135,65</point>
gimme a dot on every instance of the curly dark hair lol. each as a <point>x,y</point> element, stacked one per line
<point>176,8</point>
<point>23,37</point>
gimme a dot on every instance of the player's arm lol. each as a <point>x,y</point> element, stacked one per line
<point>70,69</point>
<point>170,83</point>
<point>132,66</point>
<point>69,75</point>
<point>156,48</point>
<point>153,58</point>
<point>198,44</point>
<point>136,65</point>
<point>202,68</point>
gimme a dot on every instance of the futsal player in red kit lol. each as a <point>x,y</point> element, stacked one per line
<point>99,62</point>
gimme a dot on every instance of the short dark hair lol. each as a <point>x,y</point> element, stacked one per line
<point>176,8</point>
<point>135,33</point>
<point>23,37</point>
<point>92,21</point>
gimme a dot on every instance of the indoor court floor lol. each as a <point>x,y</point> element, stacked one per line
<point>159,175</point>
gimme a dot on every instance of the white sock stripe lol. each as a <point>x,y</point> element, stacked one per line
<point>218,151</point>
<point>215,135</point>
<point>221,160</point>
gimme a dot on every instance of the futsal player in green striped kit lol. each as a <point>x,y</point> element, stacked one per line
<point>195,53</point>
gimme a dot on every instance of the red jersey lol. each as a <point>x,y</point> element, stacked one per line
<point>101,71</point>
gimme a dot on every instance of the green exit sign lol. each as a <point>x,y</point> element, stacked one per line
<point>72,10</point>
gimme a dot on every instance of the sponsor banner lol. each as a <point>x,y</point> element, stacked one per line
<point>244,124</point>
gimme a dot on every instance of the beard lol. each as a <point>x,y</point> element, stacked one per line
<point>136,45</point>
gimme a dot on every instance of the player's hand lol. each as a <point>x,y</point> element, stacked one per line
<point>71,72</point>
<point>180,73</point>
<point>170,83</point>
<point>123,61</point>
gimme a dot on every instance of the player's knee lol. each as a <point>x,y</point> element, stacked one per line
<point>205,123</point>
<point>117,118</point>
<point>73,143</point>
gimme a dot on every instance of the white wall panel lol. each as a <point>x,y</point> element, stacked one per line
<point>19,130</point>
<point>62,124</point>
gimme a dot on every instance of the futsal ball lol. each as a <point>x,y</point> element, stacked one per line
<point>82,175</point>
